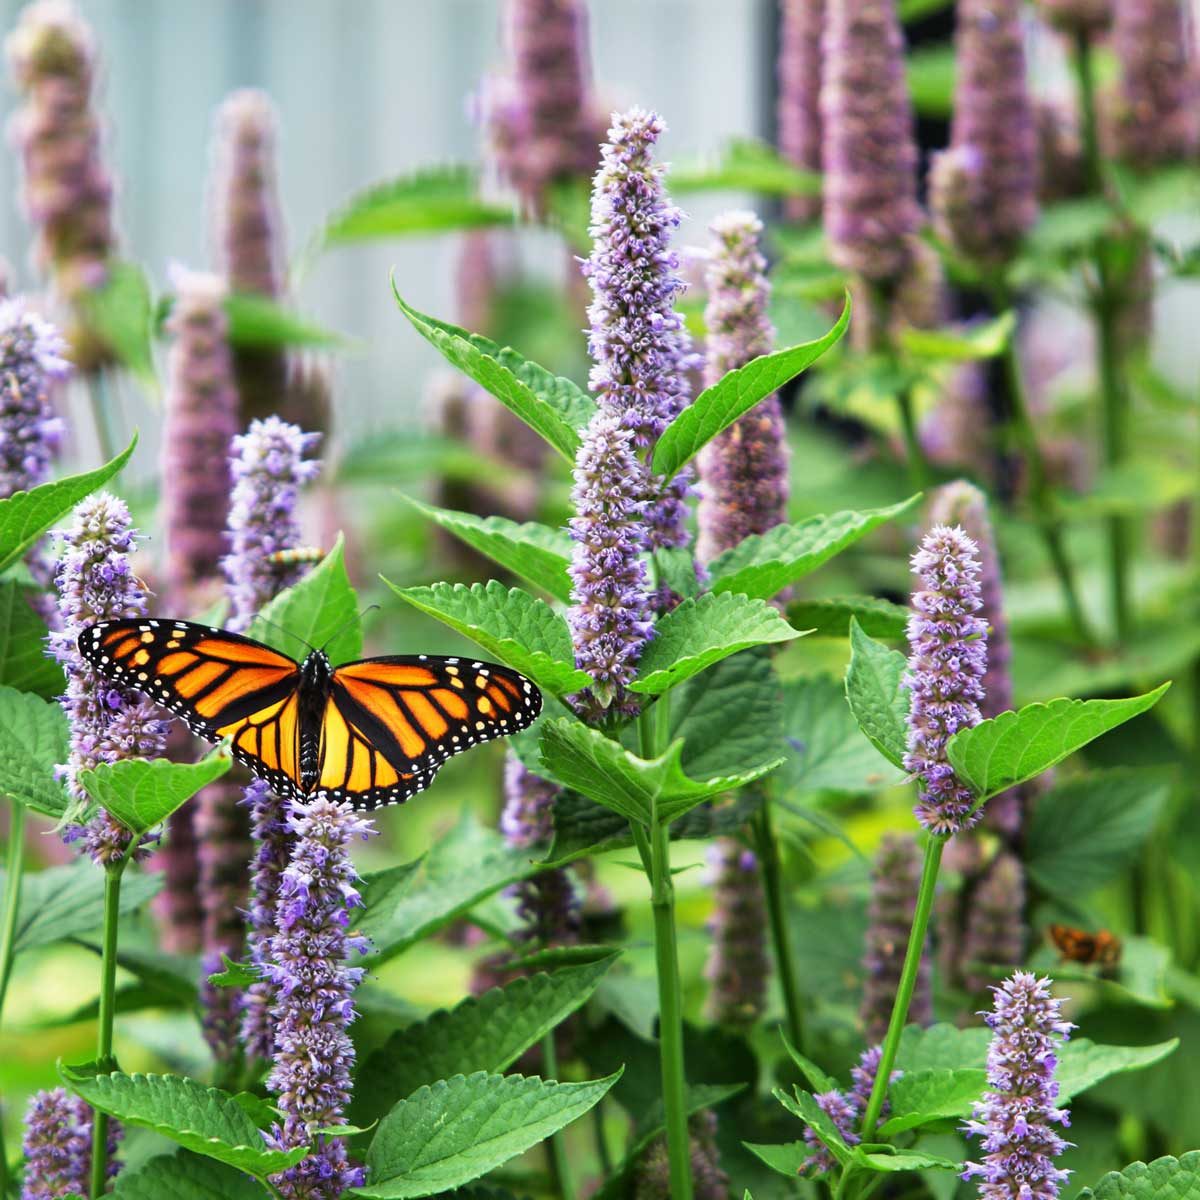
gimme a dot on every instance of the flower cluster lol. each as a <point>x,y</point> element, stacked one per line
<point>269,467</point>
<point>108,721</point>
<point>895,879</point>
<point>946,665</point>
<point>1014,1117</point>
<point>844,1109</point>
<point>798,109</point>
<point>744,469</point>
<point>652,1176</point>
<point>58,1146</point>
<point>737,960</point>
<point>314,995</point>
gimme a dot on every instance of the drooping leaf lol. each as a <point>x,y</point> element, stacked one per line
<point>894,1159</point>
<point>830,617</point>
<point>520,630</point>
<point>977,341</point>
<point>877,698</point>
<point>34,739</point>
<point>764,564</point>
<point>257,321</point>
<point>141,793</point>
<point>551,406</point>
<point>122,313</point>
<point>1015,746</point>
<point>698,633</point>
<point>24,663</point>
<point>1165,1178</point>
<point>460,1129</point>
<point>717,407</point>
<point>185,1176</point>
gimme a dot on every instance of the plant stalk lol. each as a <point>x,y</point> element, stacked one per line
<point>14,867</point>
<point>908,982</point>
<point>918,468</point>
<point>104,1033</point>
<point>100,397</point>
<point>560,1160</point>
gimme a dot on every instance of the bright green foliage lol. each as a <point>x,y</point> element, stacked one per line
<point>122,312</point>
<point>34,739</point>
<point>185,1176</point>
<point>986,340</point>
<point>258,321</point>
<point>877,698</point>
<point>1165,1178</point>
<point>830,616</point>
<point>24,663</point>
<point>746,166</point>
<point>142,793</point>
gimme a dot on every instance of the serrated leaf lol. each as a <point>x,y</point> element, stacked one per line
<point>24,663</point>
<point>538,553</point>
<point>122,313</point>
<point>1015,746</point>
<point>935,1094</point>
<point>234,974</point>
<point>185,1176</point>
<point>519,629</point>
<point>25,516</point>
<point>551,406</point>
<point>830,617</point>
<point>905,1160</point>
<point>483,1033</point>
<point>876,695</point>
<point>639,789</point>
<point>202,1119</point>
<point>745,166</point>
<point>62,902</point>
<point>141,793</point>
<point>717,407</point>
<point>698,633</point>
<point>788,1158</point>
<point>813,1075</point>
<point>764,564</point>
<point>1087,831</point>
<point>34,739</point>
<point>257,321</point>
<point>1165,1178</point>
<point>981,340</point>
<point>321,610</point>
<point>801,1104</point>
<point>460,1129</point>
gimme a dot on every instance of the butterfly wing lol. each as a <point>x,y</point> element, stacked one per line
<point>390,723</point>
<point>220,684</point>
<point>1075,945</point>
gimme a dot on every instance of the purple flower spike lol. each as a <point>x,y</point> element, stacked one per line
<point>983,190</point>
<point>652,1175</point>
<point>946,666</point>
<point>737,962</point>
<point>844,1109</point>
<point>1014,1117</point>
<point>744,469</point>
<point>798,112</point>
<point>995,933</point>
<point>870,152</point>
<point>108,722</point>
<point>269,467</point>
<point>314,995</point>
<point>58,1146</point>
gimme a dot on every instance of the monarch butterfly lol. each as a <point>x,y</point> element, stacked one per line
<point>1076,945</point>
<point>373,732</point>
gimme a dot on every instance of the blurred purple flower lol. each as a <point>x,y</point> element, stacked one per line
<point>1062,174</point>
<point>844,1109</point>
<point>995,928</point>
<point>737,965</point>
<point>652,1175</point>
<point>58,1146</point>
<point>798,109</point>
<point>32,363</point>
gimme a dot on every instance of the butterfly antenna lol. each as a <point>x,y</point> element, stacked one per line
<point>346,624</point>
<point>282,629</point>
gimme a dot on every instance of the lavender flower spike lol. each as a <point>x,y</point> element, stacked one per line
<point>983,190</point>
<point>995,933</point>
<point>844,1109</point>
<point>798,111</point>
<point>946,665</point>
<point>870,152</point>
<point>1014,1117</point>
<point>108,721</point>
<point>314,989</point>
<point>737,961</point>
<point>58,1146</point>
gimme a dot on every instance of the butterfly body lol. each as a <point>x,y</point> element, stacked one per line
<point>373,732</point>
<point>1101,949</point>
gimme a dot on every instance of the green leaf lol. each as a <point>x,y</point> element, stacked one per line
<point>813,1075</point>
<point>185,1176</point>
<point>428,201</point>
<point>520,630</point>
<point>460,1129</point>
<point>936,1094</point>
<point>122,313</point>
<point>483,1033</point>
<point>826,749</point>
<point>639,789</point>
<point>257,321</point>
<point>746,166</point>
<point>801,1104</point>
<point>905,1160</point>
<point>1082,1064</point>
<point>764,564</point>
<point>733,396</point>
<point>1015,746</point>
<point>538,553</point>
<point>551,406</point>
<point>986,339</point>
<point>1165,1178</point>
<point>1087,831</point>
<point>830,617</point>
<point>790,1159</point>
<point>234,974</point>
<point>930,72</point>
<point>698,633</point>
<point>24,663</point>
<point>321,610</point>
<point>62,902</point>
<point>877,699</point>
<point>34,739</point>
<point>142,793</point>
<point>205,1120</point>
<point>1131,488</point>
<point>25,516</point>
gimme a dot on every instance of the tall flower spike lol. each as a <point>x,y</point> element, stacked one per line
<point>737,960</point>
<point>68,190</point>
<point>1015,1116</point>
<point>844,1109</point>
<point>639,345</point>
<point>983,190</point>
<point>946,665</point>
<point>895,879</point>
<point>798,110</point>
<point>652,1175</point>
<point>870,152</point>
<point>108,721</point>
<point>248,232</point>
<point>995,932</point>
<point>58,1146</point>
<point>610,608</point>
<point>314,990</point>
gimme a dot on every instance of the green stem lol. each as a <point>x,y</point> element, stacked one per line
<point>560,1160</point>
<point>104,1033</point>
<point>918,468</point>
<point>785,962</point>
<point>908,981</point>
<point>14,869</point>
<point>101,400</point>
<point>602,1151</point>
